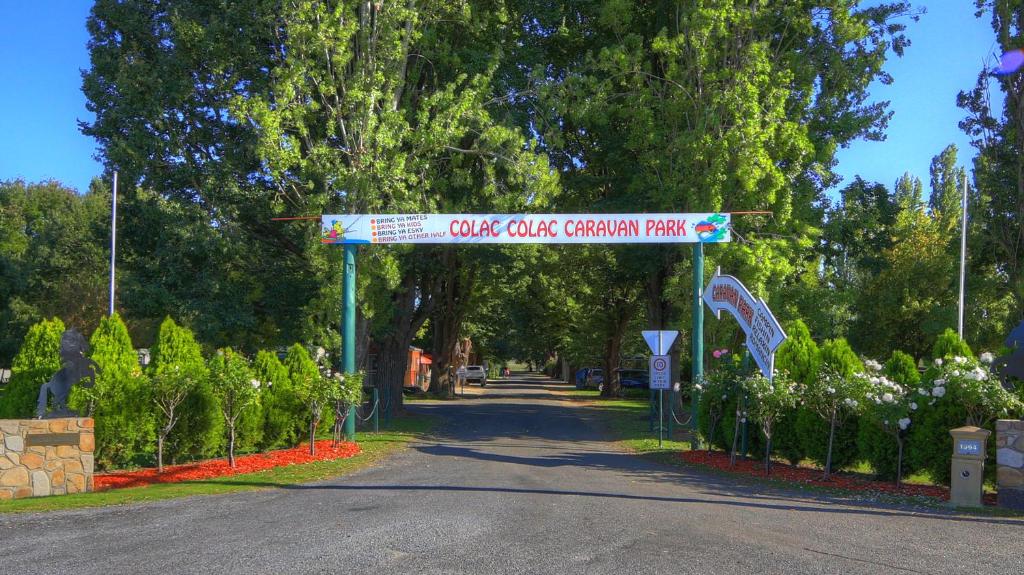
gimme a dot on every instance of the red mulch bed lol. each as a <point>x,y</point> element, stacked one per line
<point>808,476</point>
<point>219,467</point>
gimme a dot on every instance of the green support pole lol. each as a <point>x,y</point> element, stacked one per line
<point>698,337</point>
<point>348,329</point>
<point>376,411</point>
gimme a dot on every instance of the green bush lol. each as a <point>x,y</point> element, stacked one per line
<point>200,431</point>
<point>37,360</point>
<point>283,410</point>
<point>799,356</point>
<point>877,447</point>
<point>837,355</point>
<point>959,392</point>
<point>950,345</point>
<point>124,415</point>
<point>902,369</point>
<point>304,374</point>
<point>787,442</point>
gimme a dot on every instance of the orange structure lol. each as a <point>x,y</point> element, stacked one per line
<point>418,372</point>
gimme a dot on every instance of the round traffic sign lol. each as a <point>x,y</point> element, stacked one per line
<point>660,364</point>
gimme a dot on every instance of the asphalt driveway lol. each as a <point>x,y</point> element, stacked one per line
<point>518,480</point>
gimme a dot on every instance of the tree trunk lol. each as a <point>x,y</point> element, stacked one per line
<point>735,434</point>
<point>613,348</point>
<point>455,288</point>
<point>768,455</point>
<point>899,461</point>
<point>828,456</point>
<point>160,453</point>
<point>231,445</point>
<point>312,435</point>
<point>412,304</point>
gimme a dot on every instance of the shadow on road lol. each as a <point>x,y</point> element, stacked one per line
<point>875,512</point>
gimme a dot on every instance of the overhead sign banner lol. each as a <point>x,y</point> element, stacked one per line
<point>764,334</point>
<point>524,228</point>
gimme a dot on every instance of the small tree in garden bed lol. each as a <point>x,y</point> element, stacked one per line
<point>198,432</point>
<point>233,383</point>
<point>768,401</point>
<point>834,398</point>
<point>313,389</point>
<point>350,393</point>
<point>715,391</point>
<point>888,406</point>
<point>320,392</point>
<point>169,389</point>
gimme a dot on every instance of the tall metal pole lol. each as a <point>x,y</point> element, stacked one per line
<point>963,260</point>
<point>113,243</point>
<point>698,338</point>
<point>348,329</point>
<point>661,397</point>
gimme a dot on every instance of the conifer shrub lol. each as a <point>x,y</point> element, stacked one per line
<point>282,409</point>
<point>120,401</point>
<point>200,431</point>
<point>950,345</point>
<point>36,362</point>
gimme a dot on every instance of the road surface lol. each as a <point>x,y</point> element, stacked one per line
<point>518,480</point>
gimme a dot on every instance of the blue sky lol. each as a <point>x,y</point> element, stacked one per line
<point>42,49</point>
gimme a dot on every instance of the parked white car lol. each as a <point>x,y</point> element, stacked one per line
<point>476,373</point>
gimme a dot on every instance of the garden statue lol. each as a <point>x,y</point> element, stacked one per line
<point>75,366</point>
<point>1011,365</point>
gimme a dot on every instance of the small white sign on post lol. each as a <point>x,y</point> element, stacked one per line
<point>661,375</point>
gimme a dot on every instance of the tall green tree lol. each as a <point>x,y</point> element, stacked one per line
<point>996,208</point>
<point>54,249</point>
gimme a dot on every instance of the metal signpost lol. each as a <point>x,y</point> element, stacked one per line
<point>350,230</point>
<point>660,373</point>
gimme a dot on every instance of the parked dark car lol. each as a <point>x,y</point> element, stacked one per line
<point>634,378</point>
<point>588,377</point>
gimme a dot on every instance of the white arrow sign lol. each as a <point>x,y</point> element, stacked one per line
<point>764,334</point>
<point>659,341</point>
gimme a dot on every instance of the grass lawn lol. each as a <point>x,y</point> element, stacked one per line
<point>374,448</point>
<point>626,419</point>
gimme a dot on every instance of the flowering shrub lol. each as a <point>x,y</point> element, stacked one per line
<point>888,413</point>
<point>831,401</point>
<point>958,391</point>
<point>769,400</point>
<point>717,397</point>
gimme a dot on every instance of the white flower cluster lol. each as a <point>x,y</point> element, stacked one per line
<point>851,403</point>
<point>987,357</point>
<point>872,365</point>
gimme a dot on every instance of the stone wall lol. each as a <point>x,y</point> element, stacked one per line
<point>45,456</point>
<point>1010,458</point>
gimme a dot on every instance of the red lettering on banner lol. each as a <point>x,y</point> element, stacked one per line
<point>589,228</point>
